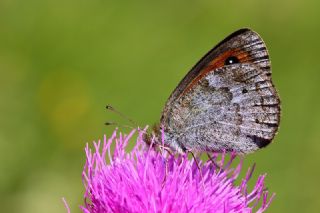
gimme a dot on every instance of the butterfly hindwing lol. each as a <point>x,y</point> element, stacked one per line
<point>225,106</point>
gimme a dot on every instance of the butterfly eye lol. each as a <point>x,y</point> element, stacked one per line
<point>231,60</point>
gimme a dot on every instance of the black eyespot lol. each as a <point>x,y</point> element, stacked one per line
<point>244,91</point>
<point>231,60</point>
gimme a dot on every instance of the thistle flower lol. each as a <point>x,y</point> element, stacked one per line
<point>145,180</point>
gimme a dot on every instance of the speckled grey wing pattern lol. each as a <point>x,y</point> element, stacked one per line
<point>228,107</point>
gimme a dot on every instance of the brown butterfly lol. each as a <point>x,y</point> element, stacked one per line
<point>226,102</point>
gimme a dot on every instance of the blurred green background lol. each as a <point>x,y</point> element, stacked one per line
<point>62,61</point>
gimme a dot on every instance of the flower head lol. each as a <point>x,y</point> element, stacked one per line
<point>146,180</point>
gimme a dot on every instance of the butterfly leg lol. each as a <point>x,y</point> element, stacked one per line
<point>196,161</point>
<point>165,174</point>
<point>211,158</point>
<point>164,148</point>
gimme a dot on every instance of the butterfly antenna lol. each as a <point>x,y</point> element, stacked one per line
<point>112,109</point>
<point>116,124</point>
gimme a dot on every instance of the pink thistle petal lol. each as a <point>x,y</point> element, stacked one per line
<point>133,181</point>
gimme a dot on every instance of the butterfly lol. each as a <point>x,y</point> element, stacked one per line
<point>226,102</point>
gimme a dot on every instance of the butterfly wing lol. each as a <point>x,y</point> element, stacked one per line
<point>220,106</point>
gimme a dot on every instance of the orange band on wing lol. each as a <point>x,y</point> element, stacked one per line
<point>217,63</point>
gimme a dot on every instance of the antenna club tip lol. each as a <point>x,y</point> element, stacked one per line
<point>109,107</point>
